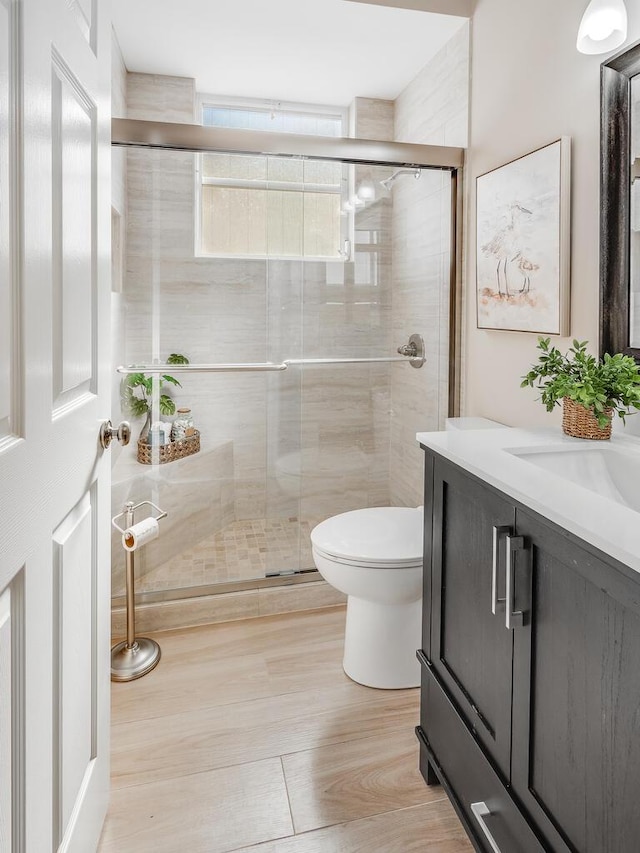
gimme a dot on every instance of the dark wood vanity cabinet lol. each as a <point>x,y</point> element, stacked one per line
<point>534,730</point>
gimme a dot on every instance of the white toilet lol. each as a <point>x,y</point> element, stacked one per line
<point>375,557</point>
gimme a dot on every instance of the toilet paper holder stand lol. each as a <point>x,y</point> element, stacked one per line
<point>136,656</point>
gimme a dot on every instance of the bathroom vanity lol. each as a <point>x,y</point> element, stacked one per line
<point>530,711</point>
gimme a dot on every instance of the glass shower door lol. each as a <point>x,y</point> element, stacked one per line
<point>235,259</point>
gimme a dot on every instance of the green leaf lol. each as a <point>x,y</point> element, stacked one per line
<point>136,406</point>
<point>612,382</point>
<point>135,379</point>
<point>167,406</point>
<point>177,358</point>
<point>171,379</point>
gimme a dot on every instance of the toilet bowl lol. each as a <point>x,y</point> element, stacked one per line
<point>374,556</point>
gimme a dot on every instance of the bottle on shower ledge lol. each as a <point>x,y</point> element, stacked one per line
<point>157,434</point>
<point>182,425</point>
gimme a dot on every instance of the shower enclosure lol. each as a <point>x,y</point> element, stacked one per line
<point>288,270</point>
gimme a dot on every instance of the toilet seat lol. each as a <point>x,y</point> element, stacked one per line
<point>367,564</point>
<point>377,537</point>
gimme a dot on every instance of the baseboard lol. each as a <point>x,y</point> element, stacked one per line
<point>227,607</point>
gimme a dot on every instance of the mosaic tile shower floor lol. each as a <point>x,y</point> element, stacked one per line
<point>245,549</point>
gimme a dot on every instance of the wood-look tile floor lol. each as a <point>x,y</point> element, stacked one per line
<point>248,737</point>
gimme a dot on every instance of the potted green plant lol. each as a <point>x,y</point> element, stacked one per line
<point>137,393</point>
<point>590,389</point>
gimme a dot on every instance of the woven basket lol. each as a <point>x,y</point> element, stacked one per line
<point>160,454</point>
<point>582,423</point>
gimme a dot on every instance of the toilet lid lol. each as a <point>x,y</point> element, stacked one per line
<point>390,535</point>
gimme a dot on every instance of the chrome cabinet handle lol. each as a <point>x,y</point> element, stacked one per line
<point>514,618</point>
<point>108,433</point>
<point>480,812</point>
<point>498,532</point>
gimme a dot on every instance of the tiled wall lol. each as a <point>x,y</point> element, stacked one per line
<point>372,118</point>
<point>155,97</point>
<point>432,110</point>
<point>268,439</point>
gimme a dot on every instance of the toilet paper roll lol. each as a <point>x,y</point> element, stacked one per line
<point>139,534</point>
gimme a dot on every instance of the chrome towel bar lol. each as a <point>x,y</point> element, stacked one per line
<point>248,367</point>
<point>255,367</point>
<point>413,353</point>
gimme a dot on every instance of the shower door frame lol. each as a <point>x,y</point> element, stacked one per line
<point>172,136</point>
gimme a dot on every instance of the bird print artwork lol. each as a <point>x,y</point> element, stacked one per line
<point>522,279</point>
<point>505,246</point>
<point>527,269</point>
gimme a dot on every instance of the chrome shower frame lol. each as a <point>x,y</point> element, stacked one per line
<point>137,133</point>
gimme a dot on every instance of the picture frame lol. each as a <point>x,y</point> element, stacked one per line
<point>523,243</point>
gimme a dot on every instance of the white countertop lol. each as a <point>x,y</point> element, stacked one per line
<point>608,525</point>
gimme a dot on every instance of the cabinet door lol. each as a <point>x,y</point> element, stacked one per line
<point>576,695</point>
<point>471,650</point>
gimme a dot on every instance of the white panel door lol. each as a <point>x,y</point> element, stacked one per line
<point>54,394</point>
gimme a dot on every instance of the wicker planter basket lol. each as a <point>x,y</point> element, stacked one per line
<point>160,454</point>
<point>582,423</point>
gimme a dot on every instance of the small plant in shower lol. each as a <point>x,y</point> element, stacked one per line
<point>137,392</point>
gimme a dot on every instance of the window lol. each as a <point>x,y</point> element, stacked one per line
<point>274,118</point>
<point>268,207</point>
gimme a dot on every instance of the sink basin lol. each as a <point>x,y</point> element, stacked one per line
<point>606,470</point>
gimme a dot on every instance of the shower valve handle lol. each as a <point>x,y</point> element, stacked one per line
<point>410,350</point>
<point>414,350</point>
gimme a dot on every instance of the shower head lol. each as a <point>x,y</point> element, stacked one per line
<point>390,181</point>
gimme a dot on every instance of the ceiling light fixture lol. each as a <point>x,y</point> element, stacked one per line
<point>603,27</point>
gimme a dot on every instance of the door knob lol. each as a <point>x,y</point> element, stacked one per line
<point>108,433</point>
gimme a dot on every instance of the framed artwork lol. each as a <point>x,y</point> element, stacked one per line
<point>523,224</point>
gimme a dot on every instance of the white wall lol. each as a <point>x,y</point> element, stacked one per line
<point>529,87</point>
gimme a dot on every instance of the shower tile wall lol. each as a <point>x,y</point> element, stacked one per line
<point>372,118</point>
<point>267,439</point>
<point>432,110</point>
<point>156,97</point>
<point>345,409</point>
